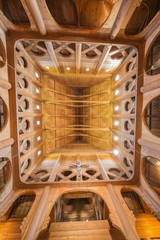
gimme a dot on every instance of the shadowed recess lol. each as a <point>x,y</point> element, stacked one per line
<point>153,62</point>
<point>142,16</point>
<point>94,13</point>
<point>152,173</point>
<point>152,116</point>
<point>15,12</point>
<point>5,172</point>
<point>64,12</point>
<point>3,114</point>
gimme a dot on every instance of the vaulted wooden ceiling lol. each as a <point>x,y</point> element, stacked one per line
<point>113,17</point>
<point>80,64</point>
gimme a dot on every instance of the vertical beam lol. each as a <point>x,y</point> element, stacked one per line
<point>123,11</point>
<point>139,106</point>
<point>13,109</point>
<point>78,57</point>
<point>131,234</point>
<point>30,232</point>
<point>53,56</point>
<point>35,11</point>
<point>103,58</point>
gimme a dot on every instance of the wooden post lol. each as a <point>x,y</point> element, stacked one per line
<point>30,232</point>
<point>145,143</point>
<point>131,234</point>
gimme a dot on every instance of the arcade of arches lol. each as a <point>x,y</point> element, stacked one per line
<point>79,119</point>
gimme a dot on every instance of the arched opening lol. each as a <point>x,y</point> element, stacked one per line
<point>64,12</point>
<point>19,209</point>
<point>146,224</point>
<point>151,168</point>
<point>15,12</point>
<point>152,116</point>
<point>5,172</point>
<point>78,213</point>
<point>2,54</point>
<point>3,114</point>
<point>152,63</point>
<point>94,13</point>
<point>142,16</point>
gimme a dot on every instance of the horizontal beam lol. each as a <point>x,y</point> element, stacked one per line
<point>125,96</point>
<point>5,84</point>
<point>78,129</point>
<point>125,135</point>
<point>29,154</point>
<point>6,143</point>
<point>148,144</point>
<point>77,101</point>
<point>123,151</point>
<point>77,135</point>
<point>76,96</point>
<point>125,77</point>
<point>30,134</point>
<point>81,75</point>
<point>27,74</point>
<point>75,116</point>
<point>150,86</point>
<point>124,116</point>
<point>27,94</point>
<point>29,114</point>
<point>77,106</point>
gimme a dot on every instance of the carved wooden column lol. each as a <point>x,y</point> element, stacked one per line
<point>34,223</point>
<point>131,234</point>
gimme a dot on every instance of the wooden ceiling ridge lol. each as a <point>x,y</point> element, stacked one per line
<point>53,56</point>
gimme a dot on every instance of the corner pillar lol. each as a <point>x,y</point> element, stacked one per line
<point>31,230</point>
<point>130,232</point>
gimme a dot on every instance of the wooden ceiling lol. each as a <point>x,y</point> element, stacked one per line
<point>113,18</point>
<point>78,64</point>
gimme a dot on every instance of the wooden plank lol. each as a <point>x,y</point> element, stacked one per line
<point>27,94</point>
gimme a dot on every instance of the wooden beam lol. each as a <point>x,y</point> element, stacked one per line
<point>75,96</point>
<point>124,116</point>
<point>127,226</point>
<point>5,84</point>
<point>103,58</point>
<point>80,75</point>
<point>28,154</point>
<point>126,60</point>
<point>27,94</point>
<point>125,96</point>
<point>6,142</point>
<point>30,134</point>
<point>148,144</point>
<point>123,11</point>
<point>84,116</point>
<point>29,114</point>
<point>34,223</point>
<point>123,151</point>
<point>78,129</point>
<point>27,74</point>
<point>78,57</point>
<point>150,86</point>
<point>123,134</point>
<point>78,101</point>
<point>35,12</point>
<point>53,57</point>
<point>126,77</point>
